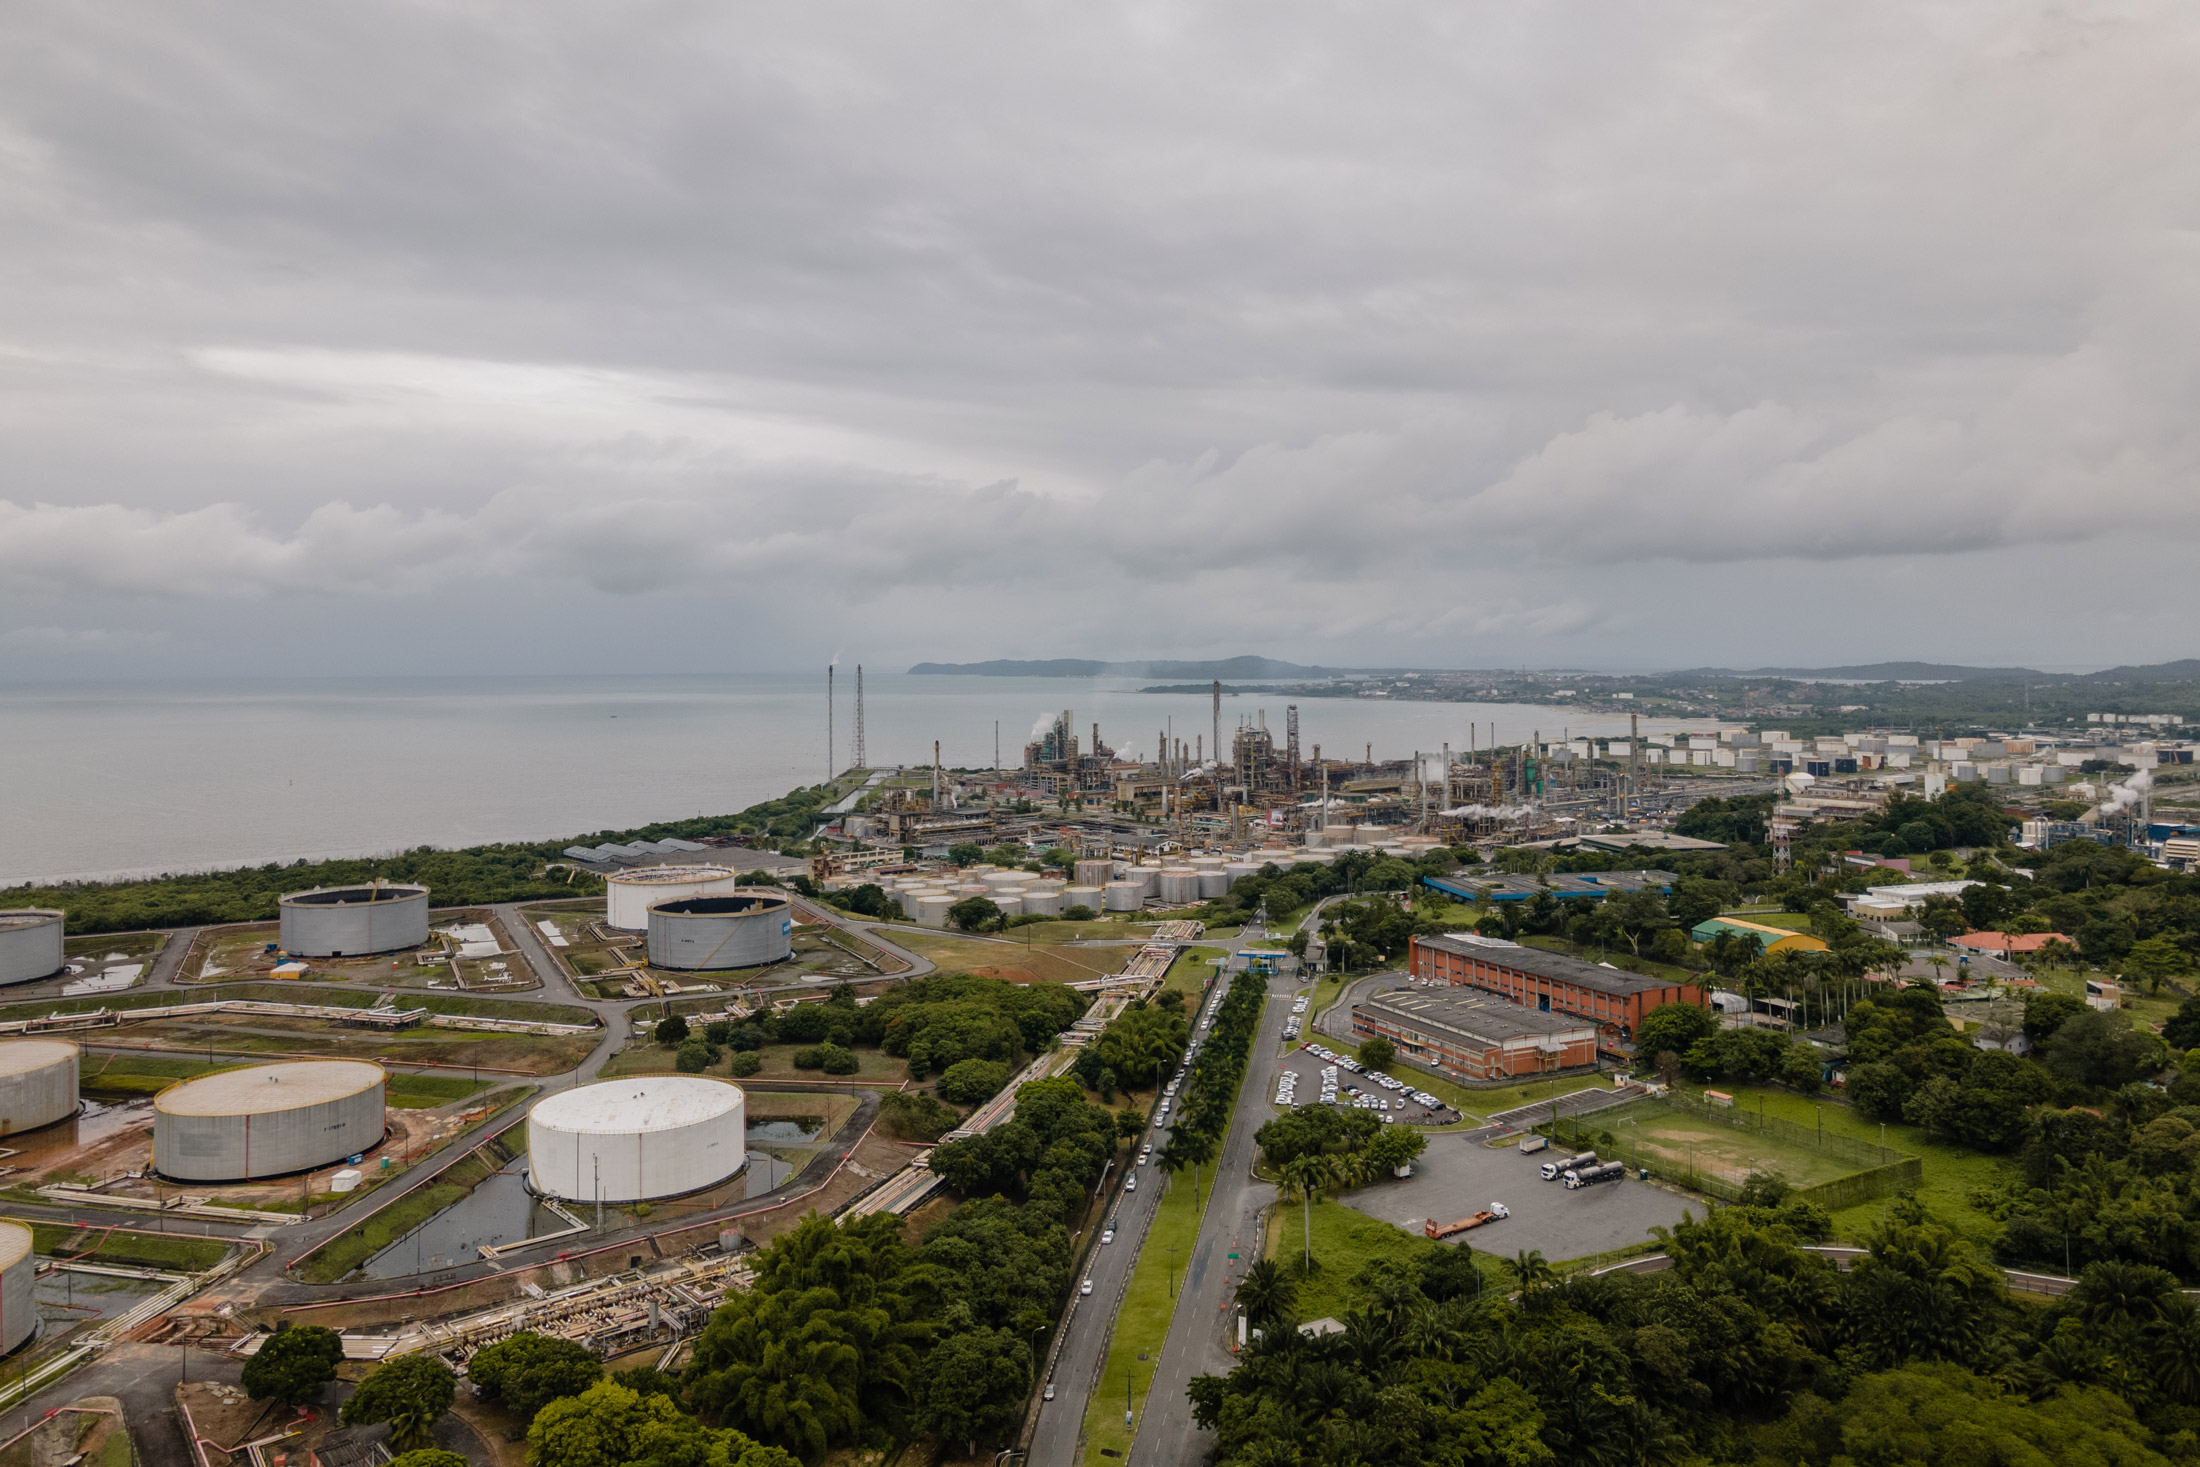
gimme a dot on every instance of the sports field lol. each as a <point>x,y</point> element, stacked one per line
<point>1679,1144</point>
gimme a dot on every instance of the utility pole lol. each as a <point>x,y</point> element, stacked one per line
<point>1218,722</point>
<point>829,723</point>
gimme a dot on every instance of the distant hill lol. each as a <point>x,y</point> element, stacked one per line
<point>2185,670</point>
<point>1232,667</point>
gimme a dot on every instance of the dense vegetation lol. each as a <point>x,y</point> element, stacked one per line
<point>935,1023</point>
<point>1137,1050</point>
<point>1746,1350</point>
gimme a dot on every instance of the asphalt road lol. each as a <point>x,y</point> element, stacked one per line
<point>1204,1326</point>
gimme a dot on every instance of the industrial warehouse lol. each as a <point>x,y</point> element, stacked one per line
<point>1613,1000</point>
<point>1474,1037</point>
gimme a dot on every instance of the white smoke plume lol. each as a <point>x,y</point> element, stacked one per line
<point>2127,794</point>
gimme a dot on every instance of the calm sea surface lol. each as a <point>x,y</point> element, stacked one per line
<point>134,779</point>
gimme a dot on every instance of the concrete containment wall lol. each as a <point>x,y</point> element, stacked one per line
<point>345,921</point>
<point>18,1285</point>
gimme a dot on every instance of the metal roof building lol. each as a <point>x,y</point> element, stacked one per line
<point>1475,1036</point>
<point>1550,982</point>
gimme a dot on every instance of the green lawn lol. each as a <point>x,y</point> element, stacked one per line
<point>1345,1242</point>
<point>1143,1322</point>
<point>146,1250</point>
<point>426,1092</point>
<point>1951,1172</point>
<point>1189,973</point>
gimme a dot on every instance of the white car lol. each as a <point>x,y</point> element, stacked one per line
<point>1049,1392</point>
<point>1108,1236</point>
<point>1085,1288</point>
<point>1130,1184</point>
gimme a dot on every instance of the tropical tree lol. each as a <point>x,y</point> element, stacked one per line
<point>294,1365</point>
<point>1307,1175</point>
<point>608,1425</point>
<point>411,1393</point>
<point>1266,1294</point>
<point>1531,1272</point>
<point>527,1371</point>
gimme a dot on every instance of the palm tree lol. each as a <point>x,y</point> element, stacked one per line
<point>1265,1294</point>
<point>1305,1175</point>
<point>1531,1272</point>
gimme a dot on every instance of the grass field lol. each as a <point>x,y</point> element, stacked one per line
<point>1345,1242</point>
<point>1952,1173</point>
<point>146,1250</point>
<point>146,1074</point>
<point>1008,957</point>
<point>1688,1143</point>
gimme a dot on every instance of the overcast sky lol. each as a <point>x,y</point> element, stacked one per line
<point>659,337</point>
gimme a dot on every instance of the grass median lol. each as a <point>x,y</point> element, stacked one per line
<point>1142,1324</point>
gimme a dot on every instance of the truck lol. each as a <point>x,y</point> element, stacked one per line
<point>1553,1170</point>
<point>1532,1144</point>
<point>1434,1229</point>
<point>1589,1176</point>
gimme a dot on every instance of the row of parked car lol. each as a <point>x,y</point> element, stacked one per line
<point>1388,1082</point>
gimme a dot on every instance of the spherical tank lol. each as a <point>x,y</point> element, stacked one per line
<point>267,1120</point>
<point>711,932</point>
<point>628,1140</point>
<point>30,944</point>
<point>37,1083</point>
<point>18,1285</point>
<point>630,894</point>
<point>1125,896</point>
<point>345,921</point>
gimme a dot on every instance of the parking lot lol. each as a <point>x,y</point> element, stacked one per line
<point>1457,1176</point>
<point>1400,1105</point>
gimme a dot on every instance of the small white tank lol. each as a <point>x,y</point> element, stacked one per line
<point>1125,896</point>
<point>1007,878</point>
<point>1237,871</point>
<point>1213,884</point>
<point>1146,878</point>
<point>1091,898</point>
<point>1041,902</point>
<point>1178,885</point>
<point>1010,903</point>
<point>932,910</point>
<point>1094,873</point>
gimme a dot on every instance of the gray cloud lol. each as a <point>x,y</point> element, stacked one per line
<point>1439,333</point>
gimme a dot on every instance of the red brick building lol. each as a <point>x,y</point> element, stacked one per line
<point>1546,982</point>
<point>1474,1036</point>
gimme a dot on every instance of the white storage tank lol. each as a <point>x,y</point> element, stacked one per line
<point>1007,878</point>
<point>1091,898</point>
<point>1010,903</point>
<point>1094,873</point>
<point>267,1120</point>
<point>932,910</point>
<point>1146,878</point>
<point>632,1140</point>
<point>18,1286</point>
<point>1237,871</point>
<point>1179,884</point>
<point>346,921</point>
<point>30,944</point>
<point>1042,901</point>
<point>630,894</point>
<point>38,1080</point>
<point>704,933</point>
<point>1125,896</point>
<point>1213,884</point>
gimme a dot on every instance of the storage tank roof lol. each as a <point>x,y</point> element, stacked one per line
<point>28,917</point>
<point>15,1244</point>
<point>258,1089</point>
<point>21,1056</point>
<point>669,875</point>
<point>637,1106</point>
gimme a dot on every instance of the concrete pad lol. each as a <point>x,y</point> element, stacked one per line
<point>1458,1176</point>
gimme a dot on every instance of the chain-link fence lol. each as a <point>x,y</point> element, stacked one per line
<point>1879,1170</point>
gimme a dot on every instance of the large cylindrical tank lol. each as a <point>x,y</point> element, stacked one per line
<point>1125,896</point>
<point>346,921</point>
<point>30,944</point>
<point>711,932</point>
<point>629,1140</point>
<point>1091,898</point>
<point>1179,884</point>
<point>1237,871</point>
<point>1094,873</point>
<point>932,910</point>
<point>1011,903</point>
<point>1146,878</point>
<point>267,1120</point>
<point>628,895</point>
<point>1042,901</point>
<point>38,1079</point>
<point>1006,878</point>
<point>1213,884</point>
<point>18,1286</point>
